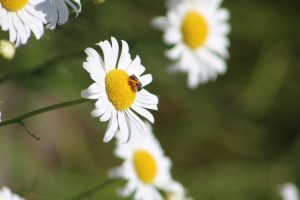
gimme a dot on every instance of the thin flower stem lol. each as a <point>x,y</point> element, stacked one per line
<point>93,190</point>
<point>20,118</point>
<point>22,124</point>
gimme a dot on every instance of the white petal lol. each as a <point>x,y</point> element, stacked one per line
<point>135,67</point>
<point>115,52</point>
<point>175,52</point>
<point>107,114</point>
<point>145,113</point>
<point>136,120</point>
<point>194,80</point>
<point>146,79</point>
<point>160,23</point>
<point>63,11</point>
<point>147,97</point>
<point>125,135</point>
<point>214,61</point>
<point>107,52</point>
<point>127,190</point>
<point>112,127</point>
<point>93,92</point>
<point>172,36</point>
<point>125,58</point>
<point>148,106</point>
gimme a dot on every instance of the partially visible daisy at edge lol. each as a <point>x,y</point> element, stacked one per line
<point>289,191</point>
<point>175,191</point>
<point>119,89</point>
<point>198,32</point>
<point>6,194</point>
<point>21,18</point>
<point>59,11</point>
<point>145,168</point>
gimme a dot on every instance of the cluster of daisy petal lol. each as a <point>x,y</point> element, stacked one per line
<point>197,31</point>
<point>6,194</point>
<point>289,191</point>
<point>119,89</point>
<point>146,169</point>
<point>22,18</point>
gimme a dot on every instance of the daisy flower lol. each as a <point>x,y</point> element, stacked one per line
<point>289,191</point>
<point>6,194</point>
<point>145,167</point>
<point>198,31</point>
<point>21,18</point>
<point>59,11</point>
<point>118,89</point>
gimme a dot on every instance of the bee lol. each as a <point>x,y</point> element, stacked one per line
<point>135,83</point>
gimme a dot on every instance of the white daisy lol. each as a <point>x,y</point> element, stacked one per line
<point>6,194</point>
<point>118,89</point>
<point>198,30</point>
<point>289,191</point>
<point>21,17</point>
<point>59,11</point>
<point>145,167</point>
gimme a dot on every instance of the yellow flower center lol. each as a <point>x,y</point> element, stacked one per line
<point>13,5</point>
<point>194,29</point>
<point>119,89</point>
<point>145,166</point>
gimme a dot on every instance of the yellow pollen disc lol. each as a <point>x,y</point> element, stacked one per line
<point>194,29</point>
<point>13,5</point>
<point>119,90</point>
<point>145,166</point>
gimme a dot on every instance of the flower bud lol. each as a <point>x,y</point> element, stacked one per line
<point>7,50</point>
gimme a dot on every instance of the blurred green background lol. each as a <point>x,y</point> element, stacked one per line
<point>235,138</point>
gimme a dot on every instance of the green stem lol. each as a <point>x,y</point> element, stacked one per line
<point>93,190</point>
<point>20,118</point>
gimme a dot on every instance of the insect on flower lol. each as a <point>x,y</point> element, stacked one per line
<point>135,83</point>
<point>119,94</point>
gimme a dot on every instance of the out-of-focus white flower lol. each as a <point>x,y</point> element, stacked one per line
<point>145,167</point>
<point>6,194</point>
<point>21,18</point>
<point>119,89</point>
<point>7,50</point>
<point>289,191</point>
<point>198,31</point>
<point>175,191</point>
<point>59,11</point>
